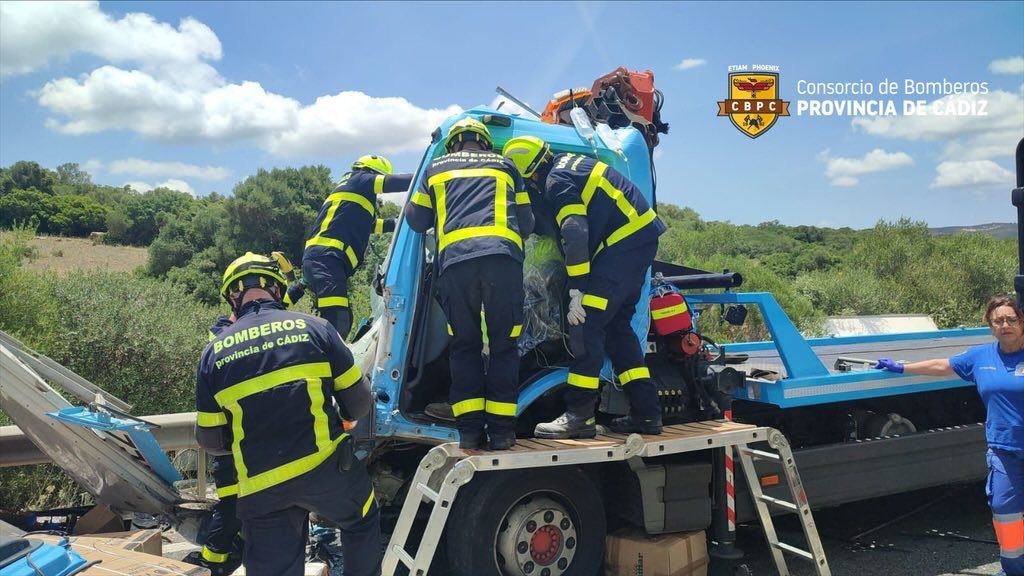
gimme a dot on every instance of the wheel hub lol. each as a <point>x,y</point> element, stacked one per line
<point>546,542</point>
<point>538,538</point>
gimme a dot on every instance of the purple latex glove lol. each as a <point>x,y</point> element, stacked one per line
<point>890,365</point>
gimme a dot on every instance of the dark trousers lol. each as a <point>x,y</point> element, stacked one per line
<point>276,527</point>
<point>616,278</point>
<point>225,525</point>
<point>327,275</point>
<point>482,396</point>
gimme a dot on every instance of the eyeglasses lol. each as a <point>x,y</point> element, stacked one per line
<point>1008,321</point>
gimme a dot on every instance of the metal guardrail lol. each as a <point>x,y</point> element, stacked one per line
<point>176,432</point>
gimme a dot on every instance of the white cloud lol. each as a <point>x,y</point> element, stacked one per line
<point>352,122</point>
<point>844,171</point>
<point>171,94</point>
<point>689,63</point>
<point>139,167</point>
<point>92,166</point>
<point>973,137</point>
<point>1013,65</point>
<point>172,183</point>
<point>33,33</point>
<point>971,174</point>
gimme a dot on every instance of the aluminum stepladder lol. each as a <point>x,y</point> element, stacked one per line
<point>445,469</point>
<point>783,457</point>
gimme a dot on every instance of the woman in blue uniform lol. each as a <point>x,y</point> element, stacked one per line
<point>998,370</point>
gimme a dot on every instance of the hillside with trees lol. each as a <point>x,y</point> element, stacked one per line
<point>138,334</point>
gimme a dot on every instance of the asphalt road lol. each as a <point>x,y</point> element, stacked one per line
<point>905,546</point>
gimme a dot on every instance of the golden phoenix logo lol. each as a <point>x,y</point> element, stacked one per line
<point>753,104</point>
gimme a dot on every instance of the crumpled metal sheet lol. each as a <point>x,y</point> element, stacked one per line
<point>96,460</point>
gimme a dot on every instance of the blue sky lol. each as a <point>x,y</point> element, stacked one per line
<point>200,95</point>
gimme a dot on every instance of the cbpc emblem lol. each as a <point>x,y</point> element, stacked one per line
<point>753,105</point>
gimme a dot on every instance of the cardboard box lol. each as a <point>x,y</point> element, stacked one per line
<point>116,561</point>
<point>98,520</point>
<point>145,541</point>
<point>631,552</point>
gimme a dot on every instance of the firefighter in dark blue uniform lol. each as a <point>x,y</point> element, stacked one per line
<point>610,237</point>
<point>480,211</point>
<point>342,229</point>
<point>222,551</point>
<point>272,389</point>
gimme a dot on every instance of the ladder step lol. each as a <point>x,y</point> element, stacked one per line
<point>761,455</point>
<point>794,551</point>
<point>403,556</point>
<point>427,491</point>
<point>779,503</point>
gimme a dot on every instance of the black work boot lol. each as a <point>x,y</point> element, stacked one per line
<point>571,424</point>
<point>501,440</point>
<point>628,424</point>
<point>471,439</point>
<point>216,568</point>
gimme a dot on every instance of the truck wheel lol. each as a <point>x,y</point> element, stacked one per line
<point>527,523</point>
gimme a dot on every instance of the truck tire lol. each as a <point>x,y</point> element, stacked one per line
<point>527,523</point>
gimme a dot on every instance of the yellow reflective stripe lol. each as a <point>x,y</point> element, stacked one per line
<point>501,202</point>
<point>634,374</point>
<point>443,177</point>
<point>578,269</point>
<point>335,201</point>
<point>332,243</point>
<point>670,311</point>
<point>500,408</point>
<point>286,472</point>
<point>596,177</point>
<point>422,199</point>
<point>522,198</point>
<point>570,210</point>
<point>469,405</point>
<point>287,300</point>
<point>369,502</point>
<point>500,227</point>
<point>237,434</point>
<point>225,491</point>
<point>450,331</point>
<point>332,301</point>
<point>581,381</point>
<point>378,226</point>
<point>516,331</point>
<point>232,394</point>
<point>478,232</point>
<point>215,557</point>
<point>212,336</point>
<point>321,430</point>
<point>378,184</point>
<point>630,227</point>
<point>340,197</point>
<point>211,419</point>
<point>595,301</point>
<point>348,378</point>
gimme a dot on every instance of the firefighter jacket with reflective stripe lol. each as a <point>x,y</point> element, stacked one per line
<point>268,381</point>
<point>349,215</point>
<point>616,212</point>
<point>476,203</point>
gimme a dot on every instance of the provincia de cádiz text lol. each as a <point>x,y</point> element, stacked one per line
<point>888,97</point>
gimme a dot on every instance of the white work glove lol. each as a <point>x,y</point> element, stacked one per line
<point>576,315</point>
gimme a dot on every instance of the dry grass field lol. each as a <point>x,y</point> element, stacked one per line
<point>64,255</point>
